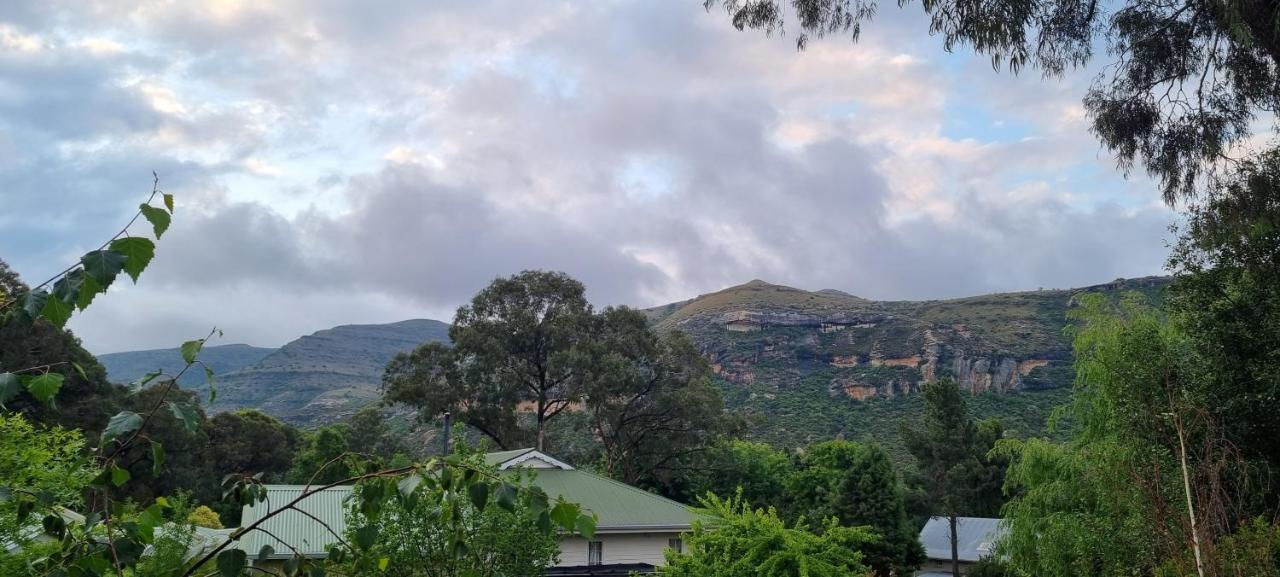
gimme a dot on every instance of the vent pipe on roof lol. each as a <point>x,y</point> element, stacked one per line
<point>448,428</point>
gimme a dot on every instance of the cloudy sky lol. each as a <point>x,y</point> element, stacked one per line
<point>341,162</point>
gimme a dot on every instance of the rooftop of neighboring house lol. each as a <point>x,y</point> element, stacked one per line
<point>619,508</point>
<point>975,537</point>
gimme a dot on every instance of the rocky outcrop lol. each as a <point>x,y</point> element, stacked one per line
<point>746,320</point>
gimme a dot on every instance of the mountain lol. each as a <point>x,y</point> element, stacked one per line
<point>129,366</point>
<point>322,377</point>
<point>327,375</point>
<point>813,365</point>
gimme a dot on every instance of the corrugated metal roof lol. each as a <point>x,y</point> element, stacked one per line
<point>292,530</point>
<point>975,537</point>
<point>618,507</point>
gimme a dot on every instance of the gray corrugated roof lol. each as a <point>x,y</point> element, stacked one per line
<point>975,537</point>
<point>295,529</point>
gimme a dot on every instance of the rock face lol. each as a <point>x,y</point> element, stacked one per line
<point>767,339</point>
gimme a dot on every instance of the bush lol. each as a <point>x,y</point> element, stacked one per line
<point>205,517</point>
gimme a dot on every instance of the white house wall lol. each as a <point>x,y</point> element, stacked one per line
<point>618,548</point>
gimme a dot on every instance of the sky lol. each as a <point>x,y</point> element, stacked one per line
<point>363,162</point>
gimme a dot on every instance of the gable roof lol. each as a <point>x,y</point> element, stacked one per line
<point>975,536</point>
<point>619,508</point>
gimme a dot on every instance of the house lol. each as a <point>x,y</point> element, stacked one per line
<point>633,531</point>
<point>975,537</point>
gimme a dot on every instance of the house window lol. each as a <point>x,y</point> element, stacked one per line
<point>675,545</point>
<point>595,552</point>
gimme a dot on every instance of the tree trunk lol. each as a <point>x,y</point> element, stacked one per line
<point>1186,486</point>
<point>955,547</point>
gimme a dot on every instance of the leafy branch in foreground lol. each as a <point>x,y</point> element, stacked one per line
<point>74,288</point>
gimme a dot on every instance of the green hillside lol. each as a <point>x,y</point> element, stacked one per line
<point>807,366</point>
<point>325,376</point>
<point>223,359</point>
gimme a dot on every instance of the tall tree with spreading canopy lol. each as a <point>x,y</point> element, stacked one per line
<point>514,345</point>
<point>1185,82</point>
<point>651,400</point>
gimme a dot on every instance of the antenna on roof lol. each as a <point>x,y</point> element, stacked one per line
<point>448,428</point>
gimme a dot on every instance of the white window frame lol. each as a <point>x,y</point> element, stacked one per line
<point>676,544</point>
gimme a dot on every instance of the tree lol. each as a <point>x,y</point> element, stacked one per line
<point>1186,80</point>
<point>753,471</point>
<point>857,485</point>
<point>514,346</point>
<point>38,460</point>
<point>1226,300</point>
<point>182,464</point>
<point>415,535</point>
<point>322,457</point>
<point>251,441</point>
<point>203,516</point>
<point>730,539</point>
<point>369,434</point>
<point>652,402</point>
<point>946,452</point>
<point>87,399</point>
<point>1148,483</point>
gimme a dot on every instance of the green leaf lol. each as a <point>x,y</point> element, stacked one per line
<point>479,493</point>
<point>79,369</point>
<point>56,312</point>
<point>121,424</point>
<point>119,476</point>
<point>191,350</point>
<point>383,563</point>
<point>103,266</point>
<point>54,526</point>
<point>10,388</point>
<point>89,288</point>
<point>231,562</point>
<point>147,378</point>
<point>158,218</point>
<point>585,526</point>
<point>157,458</point>
<point>67,289</point>
<point>33,302</point>
<point>186,412</point>
<point>265,551</point>
<point>168,201</point>
<point>407,485</point>
<point>45,387</point>
<point>565,515</point>
<point>506,496</point>
<point>137,252</point>
<point>366,536</point>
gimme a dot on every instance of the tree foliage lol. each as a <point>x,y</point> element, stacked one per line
<point>1185,81</point>
<point>516,342</point>
<point>651,400</point>
<point>755,472</point>
<point>856,484</point>
<point>731,539</point>
<point>455,528</point>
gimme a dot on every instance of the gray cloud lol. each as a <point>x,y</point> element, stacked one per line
<point>336,166</point>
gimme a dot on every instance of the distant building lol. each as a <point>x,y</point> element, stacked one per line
<point>975,536</point>
<point>633,531</point>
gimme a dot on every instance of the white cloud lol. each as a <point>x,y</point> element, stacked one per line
<point>390,160</point>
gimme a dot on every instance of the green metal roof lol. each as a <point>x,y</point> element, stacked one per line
<point>617,506</point>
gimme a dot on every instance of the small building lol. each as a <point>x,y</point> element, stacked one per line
<point>633,531</point>
<point>975,537</point>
